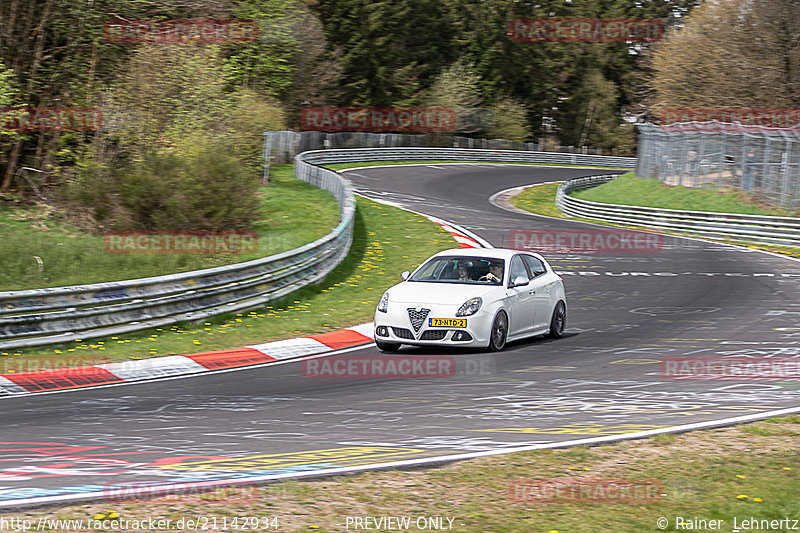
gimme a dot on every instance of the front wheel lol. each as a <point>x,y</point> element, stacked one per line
<point>387,346</point>
<point>497,338</point>
<point>558,322</point>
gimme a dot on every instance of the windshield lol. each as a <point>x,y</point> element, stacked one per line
<point>460,269</point>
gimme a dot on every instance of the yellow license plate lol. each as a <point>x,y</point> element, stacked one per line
<point>447,322</point>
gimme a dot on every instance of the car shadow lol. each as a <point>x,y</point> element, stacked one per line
<point>457,350</point>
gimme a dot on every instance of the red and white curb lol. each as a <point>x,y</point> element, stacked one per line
<point>181,365</point>
<point>464,238</point>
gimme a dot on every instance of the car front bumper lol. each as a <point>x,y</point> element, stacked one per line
<point>396,327</point>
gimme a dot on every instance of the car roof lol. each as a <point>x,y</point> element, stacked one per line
<point>492,253</point>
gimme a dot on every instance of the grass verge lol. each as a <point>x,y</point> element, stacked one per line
<point>292,214</point>
<point>540,200</point>
<point>386,241</point>
<point>742,472</point>
<point>630,190</point>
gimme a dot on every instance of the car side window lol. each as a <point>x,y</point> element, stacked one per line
<point>535,265</point>
<point>517,268</point>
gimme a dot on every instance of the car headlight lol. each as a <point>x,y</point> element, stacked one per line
<point>383,305</point>
<point>470,307</point>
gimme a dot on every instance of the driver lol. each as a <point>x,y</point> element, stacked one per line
<point>495,272</point>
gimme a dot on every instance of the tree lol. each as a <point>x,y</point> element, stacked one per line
<point>744,54</point>
<point>179,150</point>
<point>390,50</point>
<point>590,117</point>
<point>510,121</point>
<point>317,69</point>
<point>7,89</point>
<point>264,65</point>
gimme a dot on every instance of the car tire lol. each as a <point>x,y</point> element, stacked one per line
<point>499,332</point>
<point>558,322</point>
<point>387,346</point>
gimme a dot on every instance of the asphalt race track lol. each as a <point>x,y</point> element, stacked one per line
<point>627,311</point>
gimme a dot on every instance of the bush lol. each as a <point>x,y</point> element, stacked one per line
<point>208,191</point>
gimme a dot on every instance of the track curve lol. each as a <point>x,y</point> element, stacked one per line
<point>627,311</point>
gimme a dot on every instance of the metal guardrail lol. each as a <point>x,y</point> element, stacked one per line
<point>465,154</point>
<point>755,228</point>
<point>62,314</point>
<point>47,316</point>
<point>284,145</point>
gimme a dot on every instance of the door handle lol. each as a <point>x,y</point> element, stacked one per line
<point>532,291</point>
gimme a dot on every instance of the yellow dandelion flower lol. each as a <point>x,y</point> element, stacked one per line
<point>742,496</point>
<point>759,500</point>
<point>740,476</point>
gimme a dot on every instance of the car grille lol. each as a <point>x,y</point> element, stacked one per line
<point>417,317</point>
<point>402,333</point>
<point>433,335</point>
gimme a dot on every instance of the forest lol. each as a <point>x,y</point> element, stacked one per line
<point>181,121</point>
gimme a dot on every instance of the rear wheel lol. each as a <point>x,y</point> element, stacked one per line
<point>497,338</point>
<point>558,322</point>
<point>387,346</point>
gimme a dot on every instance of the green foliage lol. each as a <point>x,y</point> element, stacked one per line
<point>744,54</point>
<point>7,89</point>
<point>456,86</point>
<point>209,191</point>
<point>390,50</point>
<point>382,67</point>
<point>179,151</point>
<point>591,116</point>
<point>509,121</point>
<point>264,65</point>
<point>7,95</point>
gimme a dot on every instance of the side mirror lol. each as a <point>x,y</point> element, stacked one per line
<point>519,281</point>
<point>404,275</point>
